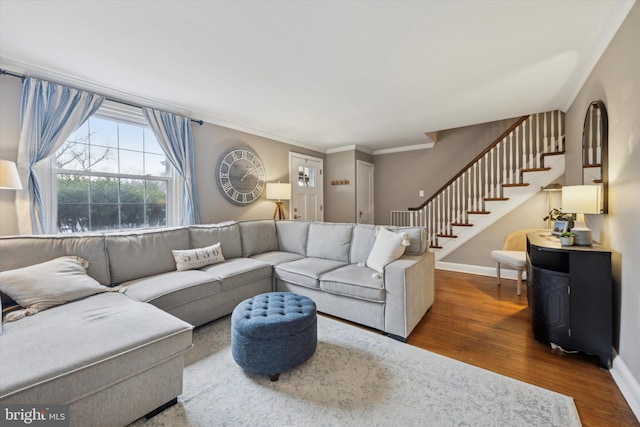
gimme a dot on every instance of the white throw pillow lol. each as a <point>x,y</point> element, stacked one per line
<point>388,247</point>
<point>189,259</point>
<point>45,285</point>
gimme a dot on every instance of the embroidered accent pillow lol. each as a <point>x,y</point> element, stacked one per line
<point>189,259</point>
<point>388,247</point>
<point>45,285</point>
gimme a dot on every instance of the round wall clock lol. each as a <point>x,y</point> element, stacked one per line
<point>240,175</point>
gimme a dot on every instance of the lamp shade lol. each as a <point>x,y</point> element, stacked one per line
<point>581,199</point>
<point>9,178</point>
<point>278,191</point>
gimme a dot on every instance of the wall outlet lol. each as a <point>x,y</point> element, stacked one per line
<point>421,193</point>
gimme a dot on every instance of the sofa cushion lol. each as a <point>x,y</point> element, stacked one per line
<point>134,255</point>
<point>45,285</point>
<point>277,257</point>
<point>292,236</point>
<point>389,246</point>
<point>258,237</point>
<point>306,271</point>
<point>329,240</point>
<point>68,352</point>
<point>239,271</point>
<point>28,250</point>
<point>364,236</point>
<point>189,259</point>
<point>354,281</point>
<point>173,289</point>
<point>227,233</point>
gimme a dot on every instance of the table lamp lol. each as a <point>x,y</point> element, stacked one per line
<point>279,192</point>
<point>9,178</point>
<point>581,199</point>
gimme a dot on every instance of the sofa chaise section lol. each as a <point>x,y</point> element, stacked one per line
<point>112,359</point>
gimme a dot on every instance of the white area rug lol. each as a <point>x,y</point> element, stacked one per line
<point>355,378</point>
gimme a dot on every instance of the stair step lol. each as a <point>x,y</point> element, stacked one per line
<point>524,184</point>
<point>544,155</point>
<point>461,224</point>
<point>479,212</point>
<point>535,170</point>
<point>496,199</point>
<point>449,236</point>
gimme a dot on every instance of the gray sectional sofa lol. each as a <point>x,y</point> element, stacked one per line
<point>114,357</point>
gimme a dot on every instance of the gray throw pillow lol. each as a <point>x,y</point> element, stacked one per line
<point>45,285</point>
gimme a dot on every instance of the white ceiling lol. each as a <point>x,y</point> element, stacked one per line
<point>322,74</point>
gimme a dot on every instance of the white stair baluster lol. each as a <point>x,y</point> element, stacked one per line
<point>486,175</point>
<point>538,135</point>
<point>532,154</point>
<point>552,131</point>
<point>511,160</point>
<point>498,180</point>
<point>545,140</point>
<point>459,199</point>
<point>560,138</point>
<point>598,160</point>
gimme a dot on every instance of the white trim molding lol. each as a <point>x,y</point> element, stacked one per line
<point>627,384</point>
<point>505,273</point>
<point>92,86</point>
<point>405,148</point>
<point>352,147</point>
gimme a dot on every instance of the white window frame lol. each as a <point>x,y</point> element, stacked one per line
<point>121,113</point>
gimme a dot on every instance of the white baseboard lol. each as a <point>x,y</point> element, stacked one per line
<point>505,273</point>
<point>627,384</point>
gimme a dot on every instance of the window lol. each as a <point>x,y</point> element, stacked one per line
<point>111,174</point>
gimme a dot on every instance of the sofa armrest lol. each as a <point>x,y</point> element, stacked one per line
<point>409,283</point>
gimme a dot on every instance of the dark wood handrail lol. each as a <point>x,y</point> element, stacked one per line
<point>478,157</point>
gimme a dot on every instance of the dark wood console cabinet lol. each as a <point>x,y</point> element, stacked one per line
<point>569,293</point>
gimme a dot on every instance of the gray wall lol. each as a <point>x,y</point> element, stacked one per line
<point>340,200</point>
<point>210,142</point>
<point>400,176</point>
<point>10,94</point>
<point>616,81</point>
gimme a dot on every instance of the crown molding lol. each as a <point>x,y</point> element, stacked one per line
<point>132,98</point>
<point>611,26</point>
<point>405,148</point>
<point>352,147</point>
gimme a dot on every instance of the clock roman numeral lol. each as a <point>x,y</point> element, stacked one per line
<point>227,186</point>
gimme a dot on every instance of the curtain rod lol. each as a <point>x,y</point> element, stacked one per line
<point>119,101</point>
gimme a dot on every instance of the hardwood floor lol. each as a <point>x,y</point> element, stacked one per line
<point>475,321</point>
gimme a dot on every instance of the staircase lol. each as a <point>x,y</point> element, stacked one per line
<point>526,157</point>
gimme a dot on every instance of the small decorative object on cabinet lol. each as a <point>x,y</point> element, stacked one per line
<point>569,293</point>
<point>566,238</point>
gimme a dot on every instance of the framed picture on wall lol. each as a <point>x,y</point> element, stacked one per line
<point>559,227</point>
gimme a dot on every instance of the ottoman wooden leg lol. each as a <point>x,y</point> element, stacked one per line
<point>274,377</point>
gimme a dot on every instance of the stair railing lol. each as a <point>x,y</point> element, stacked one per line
<point>520,148</point>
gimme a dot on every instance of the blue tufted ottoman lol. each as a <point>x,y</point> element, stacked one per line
<point>273,332</point>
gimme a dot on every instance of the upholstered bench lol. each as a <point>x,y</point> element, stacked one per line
<point>273,332</point>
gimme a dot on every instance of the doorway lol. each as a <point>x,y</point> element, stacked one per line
<point>364,192</point>
<point>305,175</point>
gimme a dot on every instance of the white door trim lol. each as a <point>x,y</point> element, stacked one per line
<point>294,179</point>
<point>358,208</point>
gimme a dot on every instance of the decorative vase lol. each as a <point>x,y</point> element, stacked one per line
<point>566,241</point>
